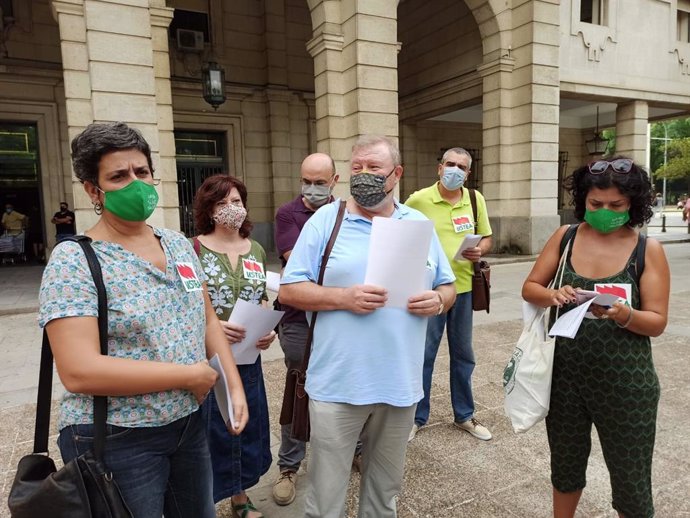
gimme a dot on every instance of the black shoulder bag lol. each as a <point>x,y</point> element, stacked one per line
<point>83,488</point>
<point>295,409</point>
<point>481,278</point>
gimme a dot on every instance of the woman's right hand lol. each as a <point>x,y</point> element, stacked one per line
<point>564,295</point>
<point>201,381</point>
<point>239,406</point>
<point>233,332</point>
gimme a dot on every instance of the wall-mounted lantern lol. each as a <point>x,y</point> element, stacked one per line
<point>597,144</point>
<point>213,82</point>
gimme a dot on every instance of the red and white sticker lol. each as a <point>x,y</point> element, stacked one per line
<point>188,276</point>
<point>253,270</point>
<point>462,223</point>
<point>621,290</point>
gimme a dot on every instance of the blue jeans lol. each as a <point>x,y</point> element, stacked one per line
<point>161,470</point>
<point>459,324</point>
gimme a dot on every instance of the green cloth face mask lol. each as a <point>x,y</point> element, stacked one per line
<point>605,220</point>
<point>134,202</point>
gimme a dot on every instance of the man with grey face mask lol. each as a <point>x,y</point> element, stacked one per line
<point>317,179</point>
<point>365,369</point>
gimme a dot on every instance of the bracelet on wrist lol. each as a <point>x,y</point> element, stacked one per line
<point>627,322</point>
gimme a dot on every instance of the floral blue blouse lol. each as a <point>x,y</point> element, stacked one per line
<point>151,317</point>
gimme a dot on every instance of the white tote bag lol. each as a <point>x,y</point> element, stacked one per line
<point>527,377</point>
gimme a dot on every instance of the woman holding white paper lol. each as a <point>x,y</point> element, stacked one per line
<point>161,331</point>
<point>605,375</point>
<point>236,269</point>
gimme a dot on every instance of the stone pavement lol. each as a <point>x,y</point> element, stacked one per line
<point>447,473</point>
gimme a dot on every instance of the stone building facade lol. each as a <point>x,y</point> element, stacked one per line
<point>516,81</point>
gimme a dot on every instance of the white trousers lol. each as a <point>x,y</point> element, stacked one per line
<point>335,428</point>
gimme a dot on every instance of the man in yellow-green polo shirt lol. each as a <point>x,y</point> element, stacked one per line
<point>447,204</point>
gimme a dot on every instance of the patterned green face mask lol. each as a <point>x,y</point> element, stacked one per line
<point>605,220</point>
<point>134,202</point>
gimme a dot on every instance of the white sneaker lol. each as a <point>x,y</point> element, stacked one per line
<point>475,428</point>
<point>413,432</point>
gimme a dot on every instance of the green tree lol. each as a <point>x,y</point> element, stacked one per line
<point>678,161</point>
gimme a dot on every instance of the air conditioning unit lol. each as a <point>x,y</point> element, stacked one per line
<point>190,41</point>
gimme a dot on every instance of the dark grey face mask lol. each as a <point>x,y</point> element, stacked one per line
<point>316,195</point>
<point>369,189</point>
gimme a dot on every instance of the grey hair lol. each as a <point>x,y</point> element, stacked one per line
<point>99,139</point>
<point>458,151</point>
<point>369,141</point>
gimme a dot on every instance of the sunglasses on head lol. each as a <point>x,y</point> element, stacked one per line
<point>620,165</point>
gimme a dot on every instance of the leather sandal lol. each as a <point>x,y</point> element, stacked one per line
<point>243,510</point>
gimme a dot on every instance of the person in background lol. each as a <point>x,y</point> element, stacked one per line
<point>365,370</point>
<point>605,376</point>
<point>447,203</point>
<point>13,222</point>
<point>161,331</point>
<point>235,266</point>
<point>317,178</point>
<point>64,222</point>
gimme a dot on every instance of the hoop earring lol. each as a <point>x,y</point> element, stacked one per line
<point>97,207</point>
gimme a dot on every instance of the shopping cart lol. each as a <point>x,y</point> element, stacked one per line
<point>12,248</point>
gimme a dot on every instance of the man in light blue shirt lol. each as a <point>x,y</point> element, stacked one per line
<point>365,371</point>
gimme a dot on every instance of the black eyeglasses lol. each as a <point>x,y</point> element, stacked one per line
<point>620,165</point>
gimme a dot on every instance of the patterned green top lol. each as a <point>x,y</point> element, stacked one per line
<point>622,355</point>
<point>226,283</point>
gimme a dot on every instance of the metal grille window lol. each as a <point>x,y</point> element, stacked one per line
<point>199,155</point>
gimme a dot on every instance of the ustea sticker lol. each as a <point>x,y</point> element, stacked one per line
<point>621,290</point>
<point>462,224</point>
<point>188,276</point>
<point>253,270</point>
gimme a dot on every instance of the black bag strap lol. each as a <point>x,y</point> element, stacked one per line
<point>322,271</point>
<point>473,201</point>
<point>635,269</point>
<point>45,380</point>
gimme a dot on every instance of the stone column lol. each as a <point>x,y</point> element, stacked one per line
<point>169,204</point>
<point>356,79</point>
<point>520,130</point>
<point>631,131</point>
<point>115,53</point>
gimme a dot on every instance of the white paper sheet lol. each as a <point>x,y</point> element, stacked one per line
<point>470,241</point>
<point>568,324</point>
<point>603,299</point>
<point>398,254</point>
<point>257,321</point>
<point>222,392</point>
<point>272,281</point>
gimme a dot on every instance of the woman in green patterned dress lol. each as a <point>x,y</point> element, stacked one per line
<point>236,269</point>
<point>605,376</point>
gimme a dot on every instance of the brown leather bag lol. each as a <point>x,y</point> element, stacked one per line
<point>481,286</point>
<point>481,278</point>
<point>295,409</point>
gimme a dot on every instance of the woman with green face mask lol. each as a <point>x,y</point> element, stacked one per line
<point>162,329</point>
<point>605,375</point>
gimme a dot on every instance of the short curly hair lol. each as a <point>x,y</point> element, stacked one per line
<point>214,189</point>
<point>635,185</point>
<point>99,139</point>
